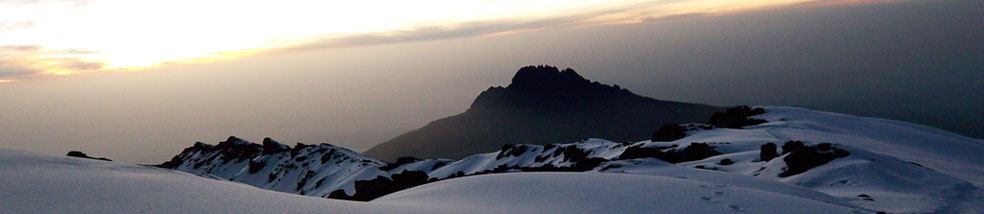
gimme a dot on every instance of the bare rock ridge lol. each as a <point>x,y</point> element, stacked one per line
<point>542,105</point>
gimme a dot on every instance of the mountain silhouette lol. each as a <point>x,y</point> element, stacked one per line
<point>542,105</point>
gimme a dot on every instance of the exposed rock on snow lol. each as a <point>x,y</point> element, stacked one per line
<point>79,154</point>
<point>901,167</point>
<point>35,183</point>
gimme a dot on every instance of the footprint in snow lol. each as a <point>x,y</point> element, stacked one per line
<point>715,186</point>
<point>736,208</point>
<point>709,199</point>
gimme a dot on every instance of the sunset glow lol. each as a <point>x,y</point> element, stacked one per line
<point>491,106</point>
<point>67,37</point>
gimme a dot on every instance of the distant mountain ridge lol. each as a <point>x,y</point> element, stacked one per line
<point>541,105</point>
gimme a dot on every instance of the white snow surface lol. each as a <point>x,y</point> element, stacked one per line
<point>35,183</point>
<point>893,166</point>
<point>553,192</point>
<point>903,167</point>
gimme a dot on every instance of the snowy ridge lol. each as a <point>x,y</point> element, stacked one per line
<point>36,183</point>
<point>865,163</point>
<point>893,166</point>
<point>314,170</point>
<point>320,170</point>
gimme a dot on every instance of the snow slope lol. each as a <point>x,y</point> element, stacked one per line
<point>892,166</point>
<point>599,193</point>
<point>35,183</point>
<point>901,167</point>
<point>944,151</point>
<point>314,170</point>
<point>320,170</point>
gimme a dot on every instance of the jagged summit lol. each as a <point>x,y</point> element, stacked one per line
<point>545,77</point>
<point>545,87</point>
<point>233,140</point>
<point>271,146</point>
<point>542,105</point>
<point>236,149</point>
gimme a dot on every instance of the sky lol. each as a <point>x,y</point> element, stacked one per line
<point>139,81</point>
<point>55,37</point>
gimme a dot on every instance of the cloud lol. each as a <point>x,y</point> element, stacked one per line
<point>625,14</point>
<point>190,48</point>
<point>19,48</point>
<point>13,70</point>
<point>72,3</point>
<point>29,61</point>
<point>424,33</point>
<point>7,26</point>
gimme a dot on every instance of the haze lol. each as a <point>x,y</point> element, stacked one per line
<point>919,61</point>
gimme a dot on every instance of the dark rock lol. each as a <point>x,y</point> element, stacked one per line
<point>695,151</point>
<point>792,146</point>
<point>79,154</point>
<point>303,181</point>
<point>736,117</point>
<point>399,162</point>
<point>327,156</point>
<point>339,194</point>
<point>298,148</point>
<point>804,157</point>
<point>439,164</point>
<point>231,149</point>
<point>174,163</point>
<point>510,150</point>
<point>866,197</point>
<point>705,167</point>
<point>372,189</point>
<point>725,162</point>
<point>669,132</point>
<point>768,152</point>
<point>271,146</point>
<point>231,141</point>
<point>255,167</point>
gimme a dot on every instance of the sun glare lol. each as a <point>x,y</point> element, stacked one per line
<point>128,35</point>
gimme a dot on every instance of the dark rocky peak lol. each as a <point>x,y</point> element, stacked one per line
<point>547,87</point>
<point>545,78</point>
<point>232,141</point>
<point>271,146</point>
<point>200,145</point>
